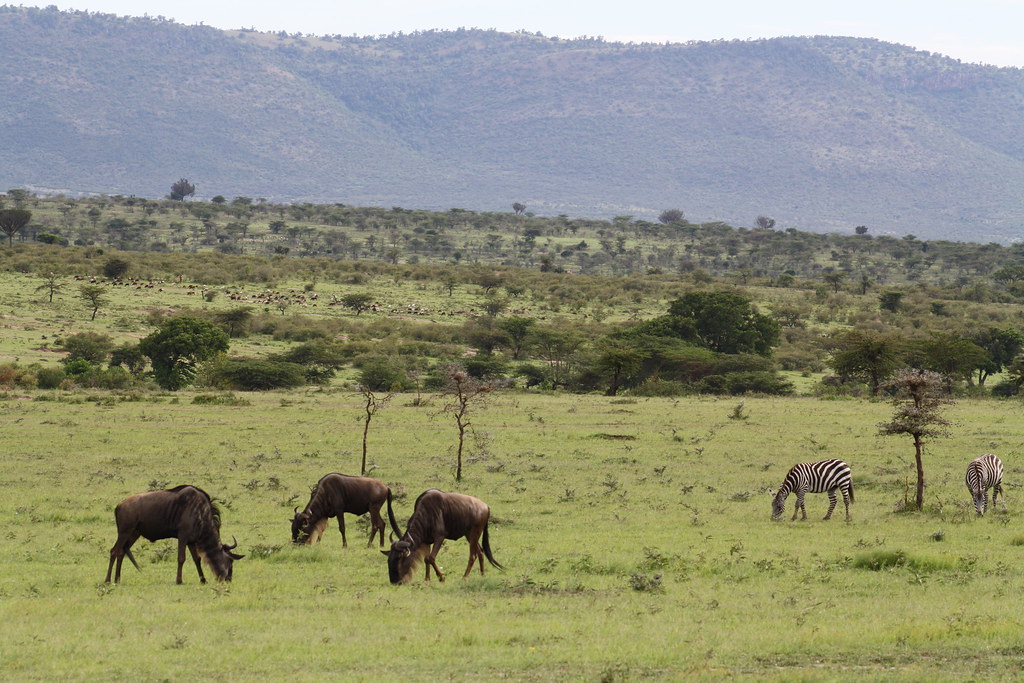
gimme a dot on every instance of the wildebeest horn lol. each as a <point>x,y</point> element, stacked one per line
<point>233,545</point>
<point>296,510</point>
<point>392,537</point>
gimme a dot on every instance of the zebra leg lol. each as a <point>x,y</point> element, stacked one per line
<point>800,506</point>
<point>832,500</point>
<point>846,502</point>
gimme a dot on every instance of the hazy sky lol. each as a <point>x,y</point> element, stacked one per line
<point>986,31</point>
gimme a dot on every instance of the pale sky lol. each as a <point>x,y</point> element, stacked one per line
<point>979,31</point>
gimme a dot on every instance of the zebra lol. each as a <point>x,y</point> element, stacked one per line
<point>985,472</point>
<point>815,477</point>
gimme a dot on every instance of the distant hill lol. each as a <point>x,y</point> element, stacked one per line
<point>819,133</point>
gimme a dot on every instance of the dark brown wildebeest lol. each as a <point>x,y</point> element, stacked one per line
<point>185,513</point>
<point>438,515</point>
<point>333,496</point>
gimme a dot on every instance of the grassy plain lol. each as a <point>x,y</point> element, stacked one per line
<point>635,533</point>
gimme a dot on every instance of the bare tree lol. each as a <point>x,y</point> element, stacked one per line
<point>764,223</point>
<point>519,208</point>
<point>463,393</point>
<point>372,404</point>
<point>918,397</point>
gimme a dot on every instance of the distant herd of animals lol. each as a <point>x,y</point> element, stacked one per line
<point>188,514</point>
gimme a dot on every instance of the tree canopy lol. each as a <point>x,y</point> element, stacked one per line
<point>178,346</point>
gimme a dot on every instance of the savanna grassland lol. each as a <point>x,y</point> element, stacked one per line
<point>635,535</point>
<point>634,530</point>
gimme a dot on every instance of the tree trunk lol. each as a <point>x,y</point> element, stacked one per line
<point>918,453</point>
<point>366,429</point>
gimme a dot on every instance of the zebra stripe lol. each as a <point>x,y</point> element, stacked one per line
<point>985,472</point>
<point>824,476</point>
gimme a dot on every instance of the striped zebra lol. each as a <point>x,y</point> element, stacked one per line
<point>985,472</point>
<point>815,477</point>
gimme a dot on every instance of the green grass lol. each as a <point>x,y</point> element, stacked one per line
<point>626,558</point>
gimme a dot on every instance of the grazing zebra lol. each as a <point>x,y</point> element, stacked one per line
<point>815,477</point>
<point>985,472</point>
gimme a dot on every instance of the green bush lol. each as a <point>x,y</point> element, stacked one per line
<point>50,378</point>
<point>384,374</point>
<point>486,366</point>
<point>1005,389</point>
<point>757,383</point>
<point>253,374</point>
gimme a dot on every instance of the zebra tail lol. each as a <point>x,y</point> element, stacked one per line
<point>851,493</point>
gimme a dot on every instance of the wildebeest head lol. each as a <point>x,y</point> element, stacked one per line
<point>778,505</point>
<point>222,560</point>
<point>300,526</point>
<point>401,561</point>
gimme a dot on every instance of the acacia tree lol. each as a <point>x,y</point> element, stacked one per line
<point>670,216</point>
<point>1003,345</point>
<point>94,296</point>
<point>463,393</point>
<point>358,302</point>
<point>871,356</point>
<point>51,283</point>
<point>178,346</point>
<point>12,221</point>
<point>517,331</point>
<point>182,188</point>
<point>372,403</point>
<point>919,397</point>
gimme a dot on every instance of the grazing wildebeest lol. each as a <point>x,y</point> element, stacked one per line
<point>334,495</point>
<point>815,477</point>
<point>985,472</point>
<point>185,513</point>
<point>438,515</point>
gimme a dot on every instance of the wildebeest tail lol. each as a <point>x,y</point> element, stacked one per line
<point>128,554</point>
<point>487,550</point>
<point>391,517</point>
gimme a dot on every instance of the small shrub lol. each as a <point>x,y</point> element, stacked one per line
<point>646,583</point>
<point>878,560</point>
<point>228,399</point>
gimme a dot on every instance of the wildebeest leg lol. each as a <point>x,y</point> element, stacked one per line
<point>376,526</point>
<point>341,527</point>
<point>832,500</point>
<point>199,564</point>
<point>474,552</point>
<point>181,557</point>
<point>117,552</point>
<point>431,562</point>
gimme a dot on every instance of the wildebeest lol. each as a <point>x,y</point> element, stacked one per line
<point>438,515</point>
<point>185,513</point>
<point>985,472</point>
<point>333,496</point>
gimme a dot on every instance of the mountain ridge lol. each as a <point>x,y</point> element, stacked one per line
<point>821,133</point>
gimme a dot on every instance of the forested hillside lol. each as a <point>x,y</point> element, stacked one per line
<point>820,133</point>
